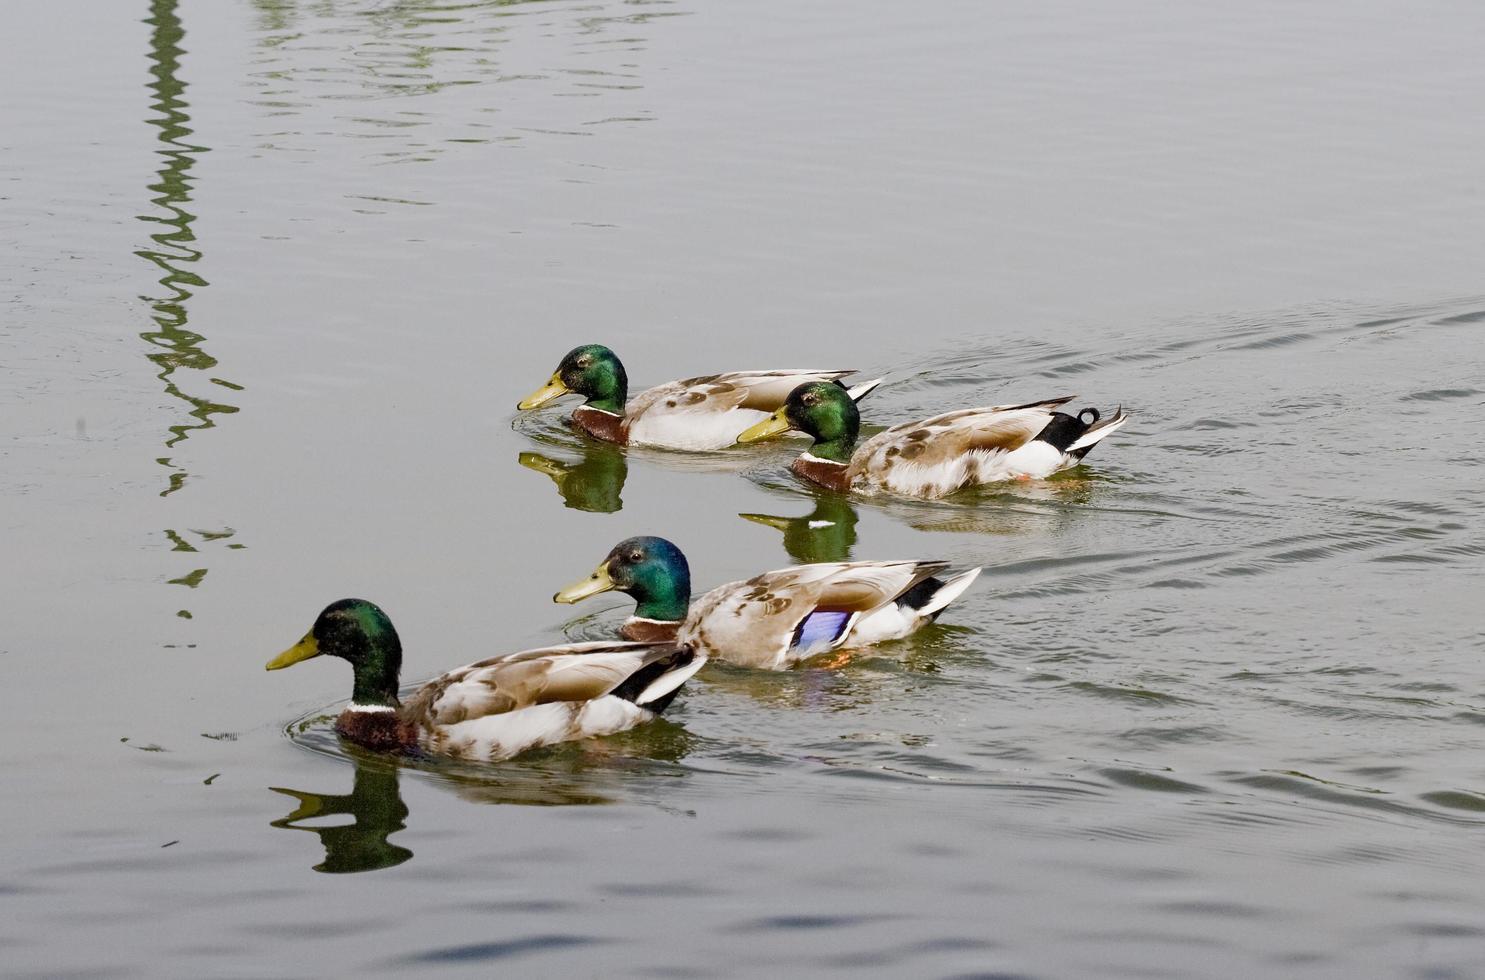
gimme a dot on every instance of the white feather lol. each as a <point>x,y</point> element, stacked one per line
<point>697,431</point>
<point>609,715</point>
<point>666,683</point>
<point>1092,438</point>
<point>949,591</point>
<point>1036,459</point>
<point>858,392</point>
<point>889,622</point>
<point>495,737</point>
<point>952,474</point>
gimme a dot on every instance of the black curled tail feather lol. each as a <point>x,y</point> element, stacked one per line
<point>1094,424</point>
<point>634,685</point>
<point>1062,430</point>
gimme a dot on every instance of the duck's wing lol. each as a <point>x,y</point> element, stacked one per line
<point>778,617</point>
<point>576,672</point>
<point>762,391</point>
<point>941,454</point>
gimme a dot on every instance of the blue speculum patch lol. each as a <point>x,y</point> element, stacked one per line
<point>820,629</point>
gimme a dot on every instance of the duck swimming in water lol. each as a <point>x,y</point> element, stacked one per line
<point>704,413</point>
<point>939,455</point>
<point>496,708</point>
<point>776,619</point>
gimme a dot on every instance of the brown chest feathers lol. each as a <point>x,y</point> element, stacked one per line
<point>601,425</point>
<point>648,630</point>
<point>380,731</point>
<point>827,474</point>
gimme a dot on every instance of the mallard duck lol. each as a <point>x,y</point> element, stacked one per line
<point>775,619</point>
<point>936,456</point>
<point>696,414</point>
<point>496,708</point>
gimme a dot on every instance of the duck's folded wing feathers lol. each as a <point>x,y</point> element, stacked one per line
<point>763,391</point>
<point>575,672</point>
<point>863,586</point>
<point>944,438</point>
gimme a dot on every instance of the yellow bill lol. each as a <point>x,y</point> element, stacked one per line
<point>550,391</point>
<point>775,425</point>
<point>303,650</point>
<point>781,523</point>
<point>592,585</point>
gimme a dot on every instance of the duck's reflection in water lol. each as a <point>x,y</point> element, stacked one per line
<point>377,811</point>
<point>593,772</point>
<point>1012,507</point>
<point>634,765</point>
<point>594,484</point>
<point>827,533</point>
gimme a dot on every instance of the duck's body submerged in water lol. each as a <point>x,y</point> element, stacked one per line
<point>776,619</point>
<point>939,455</point>
<point>704,413</point>
<point>496,708</point>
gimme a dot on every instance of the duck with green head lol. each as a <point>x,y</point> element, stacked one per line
<point>936,456</point>
<point>496,708</point>
<point>704,413</point>
<point>776,619</point>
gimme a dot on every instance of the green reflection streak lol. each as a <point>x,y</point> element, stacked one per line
<point>828,533</point>
<point>375,803</point>
<point>595,484</point>
<point>173,245</point>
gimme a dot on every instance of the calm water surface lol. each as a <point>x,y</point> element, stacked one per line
<point>278,271</point>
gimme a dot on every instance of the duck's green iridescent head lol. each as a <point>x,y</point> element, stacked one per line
<point>592,371</point>
<point>359,632</point>
<point>823,410</point>
<point>652,570</point>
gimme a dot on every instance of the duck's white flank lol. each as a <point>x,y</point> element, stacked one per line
<point>501,736</point>
<point>692,430</point>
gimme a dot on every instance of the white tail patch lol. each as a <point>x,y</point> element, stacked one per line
<point>889,622</point>
<point>666,683</point>
<point>858,392</point>
<point>949,591</point>
<point>1094,435</point>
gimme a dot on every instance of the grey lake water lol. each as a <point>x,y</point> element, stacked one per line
<point>276,272</point>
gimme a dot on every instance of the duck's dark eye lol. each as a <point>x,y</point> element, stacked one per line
<point>584,361</point>
<point>811,399</point>
<point>636,556</point>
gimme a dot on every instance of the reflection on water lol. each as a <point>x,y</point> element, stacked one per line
<point>1218,698</point>
<point>374,803</point>
<point>638,765</point>
<point>826,533</point>
<point>172,250</point>
<point>172,247</point>
<point>375,79</point>
<point>594,484</point>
